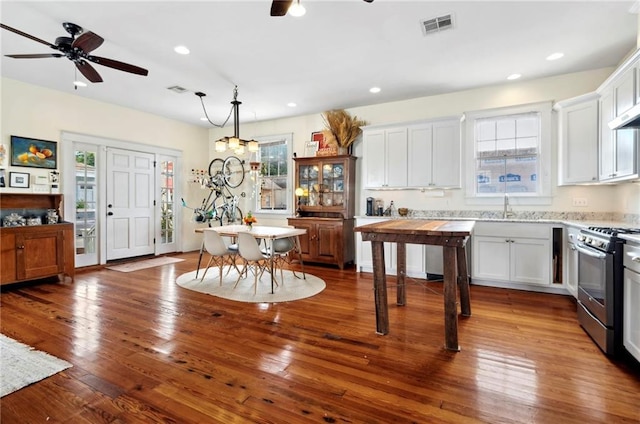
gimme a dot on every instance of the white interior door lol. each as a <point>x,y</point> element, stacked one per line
<point>130,203</point>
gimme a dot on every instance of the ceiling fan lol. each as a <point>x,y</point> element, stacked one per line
<point>77,50</point>
<point>280,7</point>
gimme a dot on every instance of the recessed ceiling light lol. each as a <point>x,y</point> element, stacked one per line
<point>374,90</point>
<point>79,84</point>
<point>291,104</point>
<point>181,50</point>
<point>514,76</point>
<point>555,56</point>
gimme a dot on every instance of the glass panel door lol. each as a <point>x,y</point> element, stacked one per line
<point>86,234</point>
<point>167,232</point>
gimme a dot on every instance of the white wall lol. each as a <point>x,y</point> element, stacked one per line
<point>32,111</point>
<point>623,198</point>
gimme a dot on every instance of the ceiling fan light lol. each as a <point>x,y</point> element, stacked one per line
<point>221,145</point>
<point>253,146</point>
<point>239,150</point>
<point>79,84</point>
<point>297,9</point>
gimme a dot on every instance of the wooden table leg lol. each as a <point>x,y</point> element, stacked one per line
<point>380,287</point>
<point>463,281</point>
<point>450,309</point>
<point>402,272</point>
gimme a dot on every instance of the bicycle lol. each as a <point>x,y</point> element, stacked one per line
<point>223,175</point>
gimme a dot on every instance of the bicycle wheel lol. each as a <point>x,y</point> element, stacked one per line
<point>233,170</point>
<point>215,166</point>
<point>229,218</point>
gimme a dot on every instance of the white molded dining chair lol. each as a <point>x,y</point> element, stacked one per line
<point>249,250</point>
<point>281,249</point>
<point>219,251</point>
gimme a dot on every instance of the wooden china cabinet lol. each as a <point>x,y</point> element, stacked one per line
<point>33,252</point>
<point>326,208</point>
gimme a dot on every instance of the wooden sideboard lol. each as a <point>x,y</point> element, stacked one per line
<point>37,251</point>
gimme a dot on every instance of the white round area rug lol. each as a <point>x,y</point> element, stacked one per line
<point>288,289</point>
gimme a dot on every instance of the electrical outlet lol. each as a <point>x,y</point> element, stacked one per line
<point>580,201</point>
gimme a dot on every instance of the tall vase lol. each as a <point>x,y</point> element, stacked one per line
<point>343,150</point>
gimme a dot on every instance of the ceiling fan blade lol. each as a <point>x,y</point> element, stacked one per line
<point>29,36</point>
<point>34,56</point>
<point>121,66</point>
<point>280,7</point>
<point>88,71</point>
<point>88,42</point>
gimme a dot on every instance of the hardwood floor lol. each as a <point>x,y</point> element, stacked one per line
<point>146,350</point>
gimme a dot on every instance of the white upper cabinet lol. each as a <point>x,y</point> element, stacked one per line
<point>434,155</point>
<point>618,148</point>
<point>578,135</point>
<point>385,155</point>
<point>418,155</point>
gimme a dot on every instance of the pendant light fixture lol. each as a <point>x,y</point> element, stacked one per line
<point>297,9</point>
<point>234,143</point>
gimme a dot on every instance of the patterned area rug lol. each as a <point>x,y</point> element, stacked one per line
<point>148,263</point>
<point>289,289</point>
<point>21,365</point>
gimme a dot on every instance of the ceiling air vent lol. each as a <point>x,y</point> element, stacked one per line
<point>436,24</point>
<point>177,89</point>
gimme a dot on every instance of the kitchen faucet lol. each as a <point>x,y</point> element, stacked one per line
<point>507,212</point>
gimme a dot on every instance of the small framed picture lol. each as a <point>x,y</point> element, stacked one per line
<point>54,177</point>
<point>3,174</point>
<point>19,179</point>
<point>310,148</point>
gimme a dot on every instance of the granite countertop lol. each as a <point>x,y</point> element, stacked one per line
<point>581,220</point>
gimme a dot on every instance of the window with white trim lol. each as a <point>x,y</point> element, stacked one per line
<point>272,187</point>
<point>508,151</point>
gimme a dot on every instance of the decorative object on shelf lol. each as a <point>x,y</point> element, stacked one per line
<point>33,153</point>
<point>3,176</point>
<point>234,143</point>
<point>14,220</point>
<point>19,179</point>
<point>324,149</point>
<point>341,129</point>
<point>310,148</point>
<point>249,220</point>
<point>54,177</point>
<point>52,216</point>
<point>3,155</point>
<point>403,211</point>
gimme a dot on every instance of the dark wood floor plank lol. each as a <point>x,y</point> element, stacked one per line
<point>146,350</point>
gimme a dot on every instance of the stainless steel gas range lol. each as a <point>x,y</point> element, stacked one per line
<point>600,285</point>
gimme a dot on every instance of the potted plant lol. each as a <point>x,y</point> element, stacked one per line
<point>342,129</point>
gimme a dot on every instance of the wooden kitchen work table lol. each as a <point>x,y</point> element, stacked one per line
<point>451,235</point>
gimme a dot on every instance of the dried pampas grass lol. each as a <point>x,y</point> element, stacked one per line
<point>341,128</point>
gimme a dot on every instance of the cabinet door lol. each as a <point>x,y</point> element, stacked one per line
<point>446,154</point>
<point>631,320</point>
<point>40,254</point>
<point>579,143</point>
<point>572,270</point>
<point>607,137</point>
<point>530,261</point>
<point>491,258</point>
<point>624,92</point>
<point>306,240</point>
<point>420,142</point>
<point>328,240</point>
<point>8,272</point>
<point>374,146</point>
<point>396,157</point>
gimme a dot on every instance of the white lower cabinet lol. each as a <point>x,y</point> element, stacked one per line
<point>512,254</point>
<point>631,319</point>
<point>415,255</point>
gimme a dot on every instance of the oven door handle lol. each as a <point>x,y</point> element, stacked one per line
<point>590,252</point>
